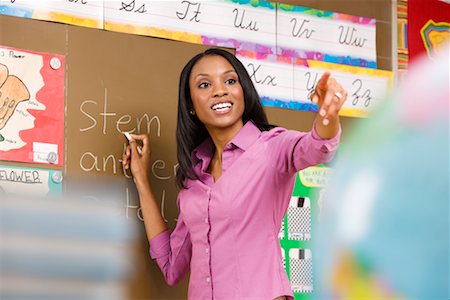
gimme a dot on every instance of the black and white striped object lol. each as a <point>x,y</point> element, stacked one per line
<point>299,219</point>
<point>300,262</point>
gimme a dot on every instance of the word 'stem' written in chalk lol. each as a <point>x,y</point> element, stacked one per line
<point>99,119</point>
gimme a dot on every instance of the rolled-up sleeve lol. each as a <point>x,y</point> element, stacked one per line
<point>292,151</point>
<point>172,252</point>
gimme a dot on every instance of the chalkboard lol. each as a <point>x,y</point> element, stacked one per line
<point>115,82</point>
<point>122,82</point>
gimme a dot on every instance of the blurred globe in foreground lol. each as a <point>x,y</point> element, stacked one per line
<point>385,233</point>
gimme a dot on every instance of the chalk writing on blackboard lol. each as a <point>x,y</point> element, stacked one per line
<point>161,165</point>
<point>97,117</point>
<point>139,215</point>
<point>122,120</point>
<point>130,206</point>
<point>193,13</point>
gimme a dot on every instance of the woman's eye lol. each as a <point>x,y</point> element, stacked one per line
<point>231,81</point>
<point>203,85</point>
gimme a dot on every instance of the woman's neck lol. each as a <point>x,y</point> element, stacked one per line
<point>222,136</point>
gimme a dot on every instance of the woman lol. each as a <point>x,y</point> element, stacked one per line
<point>236,177</point>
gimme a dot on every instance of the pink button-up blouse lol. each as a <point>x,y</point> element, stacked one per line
<point>227,231</point>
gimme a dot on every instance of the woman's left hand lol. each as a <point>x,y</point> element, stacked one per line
<point>329,95</point>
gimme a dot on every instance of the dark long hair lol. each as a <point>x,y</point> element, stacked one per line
<point>191,132</point>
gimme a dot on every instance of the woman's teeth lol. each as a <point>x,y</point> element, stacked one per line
<point>221,106</point>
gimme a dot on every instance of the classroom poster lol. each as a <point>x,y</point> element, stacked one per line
<point>314,34</point>
<point>254,25</point>
<point>31,106</point>
<point>428,27</point>
<point>303,214</point>
<point>234,24</point>
<point>88,13</point>
<point>257,26</point>
<point>20,181</point>
<point>288,82</point>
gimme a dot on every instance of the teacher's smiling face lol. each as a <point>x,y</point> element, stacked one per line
<point>216,93</point>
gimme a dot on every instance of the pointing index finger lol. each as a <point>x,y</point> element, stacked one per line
<point>322,83</point>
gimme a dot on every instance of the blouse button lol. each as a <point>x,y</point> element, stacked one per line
<point>206,250</point>
<point>208,279</point>
<point>206,220</point>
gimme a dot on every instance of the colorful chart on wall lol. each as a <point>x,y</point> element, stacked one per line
<point>255,25</point>
<point>30,182</point>
<point>31,106</point>
<point>234,24</point>
<point>303,214</point>
<point>314,34</point>
<point>251,25</point>
<point>77,12</point>
<point>288,82</point>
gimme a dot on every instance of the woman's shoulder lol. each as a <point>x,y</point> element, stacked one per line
<point>274,132</point>
<point>281,134</point>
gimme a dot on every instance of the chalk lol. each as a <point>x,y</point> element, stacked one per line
<point>129,138</point>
